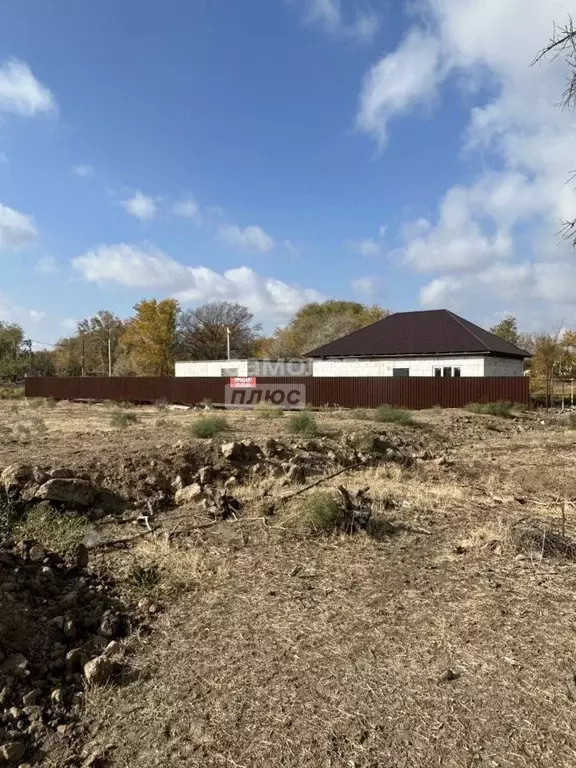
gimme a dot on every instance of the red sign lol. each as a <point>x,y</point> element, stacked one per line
<point>243,382</point>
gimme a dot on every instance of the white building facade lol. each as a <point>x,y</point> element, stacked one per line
<point>453,366</point>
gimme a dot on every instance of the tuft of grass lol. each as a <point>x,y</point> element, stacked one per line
<point>123,419</point>
<point>51,402</point>
<point>501,408</point>
<point>209,426</point>
<point>53,530</point>
<point>390,415</point>
<point>11,393</point>
<point>163,421</point>
<point>321,512</point>
<point>35,402</point>
<point>303,423</point>
<point>267,411</point>
<point>360,414</point>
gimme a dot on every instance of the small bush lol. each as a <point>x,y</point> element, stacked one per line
<point>123,419</point>
<point>53,530</point>
<point>11,393</point>
<point>572,421</point>
<point>144,577</point>
<point>162,404</point>
<point>322,512</point>
<point>501,408</point>
<point>163,421</point>
<point>207,402</point>
<point>35,402</point>
<point>389,414</point>
<point>209,426</point>
<point>267,411</point>
<point>303,423</point>
<point>361,414</point>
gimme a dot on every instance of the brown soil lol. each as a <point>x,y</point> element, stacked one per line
<point>448,640</point>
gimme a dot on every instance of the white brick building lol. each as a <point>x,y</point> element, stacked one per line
<point>428,343</point>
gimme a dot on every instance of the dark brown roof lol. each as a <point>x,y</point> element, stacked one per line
<point>434,332</point>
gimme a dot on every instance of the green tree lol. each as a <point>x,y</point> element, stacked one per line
<point>151,337</point>
<point>507,329</point>
<point>102,333</point>
<point>13,362</point>
<point>319,323</point>
<point>202,332</point>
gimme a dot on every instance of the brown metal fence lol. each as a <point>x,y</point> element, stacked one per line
<point>348,392</point>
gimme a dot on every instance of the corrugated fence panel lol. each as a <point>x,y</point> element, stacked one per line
<point>347,392</point>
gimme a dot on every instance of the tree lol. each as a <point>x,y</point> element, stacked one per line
<point>102,333</point>
<point>563,43</point>
<point>321,322</point>
<point>151,336</point>
<point>507,329</point>
<point>13,362</point>
<point>202,332</point>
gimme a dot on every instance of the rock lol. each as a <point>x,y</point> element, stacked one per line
<point>28,493</point>
<point>98,671</point>
<point>15,666</point>
<point>231,482</point>
<point>111,624</point>
<point>72,491</point>
<point>36,553</point>
<point>178,483</point>
<point>112,648</point>
<point>39,475</point>
<point>75,659</point>
<point>245,450</point>
<point>61,472</point>
<point>16,475</point>
<point>448,675</point>
<point>188,494</point>
<point>81,556</point>
<point>47,573</point>
<point>29,700</point>
<point>296,474</point>
<point>206,475</point>
<point>12,751</point>
<point>57,696</point>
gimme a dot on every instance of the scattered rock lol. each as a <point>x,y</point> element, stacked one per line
<point>448,675</point>
<point>188,494</point>
<point>15,666</point>
<point>111,624</point>
<point>243,451</point>
<point>72,491</point>
<point>61,472</point>
<point>36,553</point>
<point>98,671</point>
<point>81,556</point>
<point>12,751</point>
<point>16,476</point>
<point>296,474</point>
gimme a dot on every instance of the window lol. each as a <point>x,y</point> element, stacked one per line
<point>447,372</point>
<point>401,372</point>
<point>438,372</point>
<point>457,373</point>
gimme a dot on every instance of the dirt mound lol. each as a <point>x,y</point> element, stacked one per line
<point>56,617</point>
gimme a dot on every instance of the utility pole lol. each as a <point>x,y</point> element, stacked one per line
<point>109,352</point>
<point>228,342</point>
<point>28,343</point>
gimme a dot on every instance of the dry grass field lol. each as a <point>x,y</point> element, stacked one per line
<point>443,635</point>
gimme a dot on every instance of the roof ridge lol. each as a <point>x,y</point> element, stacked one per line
<point>469,330</point>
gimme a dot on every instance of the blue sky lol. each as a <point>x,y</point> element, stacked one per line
<point>277,151</point>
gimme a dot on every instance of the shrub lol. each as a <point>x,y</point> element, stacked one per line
<point>35,402</point>
<point>303,423</point>
<point>123,419</point>
<point>11,393</point>
<point>501,408</point>
<point>267,411</point>
<point>209,426</point>
<point>361,414</point>
<point>389,414</point>
<point>322,512</point>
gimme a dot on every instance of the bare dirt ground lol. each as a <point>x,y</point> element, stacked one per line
<point>448,639</point>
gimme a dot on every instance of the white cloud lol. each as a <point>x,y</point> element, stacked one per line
<point>369,246</point>
<point>16,229</point>
<point>495,238</point>
<point>141,206</point>
<point>47,265</point>
<point>21,93</point>
<point>252,238</point>
<point>37,316</point>
<point>188,209</point>
<point>369,287</point>
<point>143,266</point>
<point>83,171</point>
<point>329,15</point>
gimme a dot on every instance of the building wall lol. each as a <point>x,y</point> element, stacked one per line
<point>501,366</point>
<point>418,366</point>
<point>212,368</point>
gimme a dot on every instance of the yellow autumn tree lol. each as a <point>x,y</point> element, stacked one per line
<point>150,336</point>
